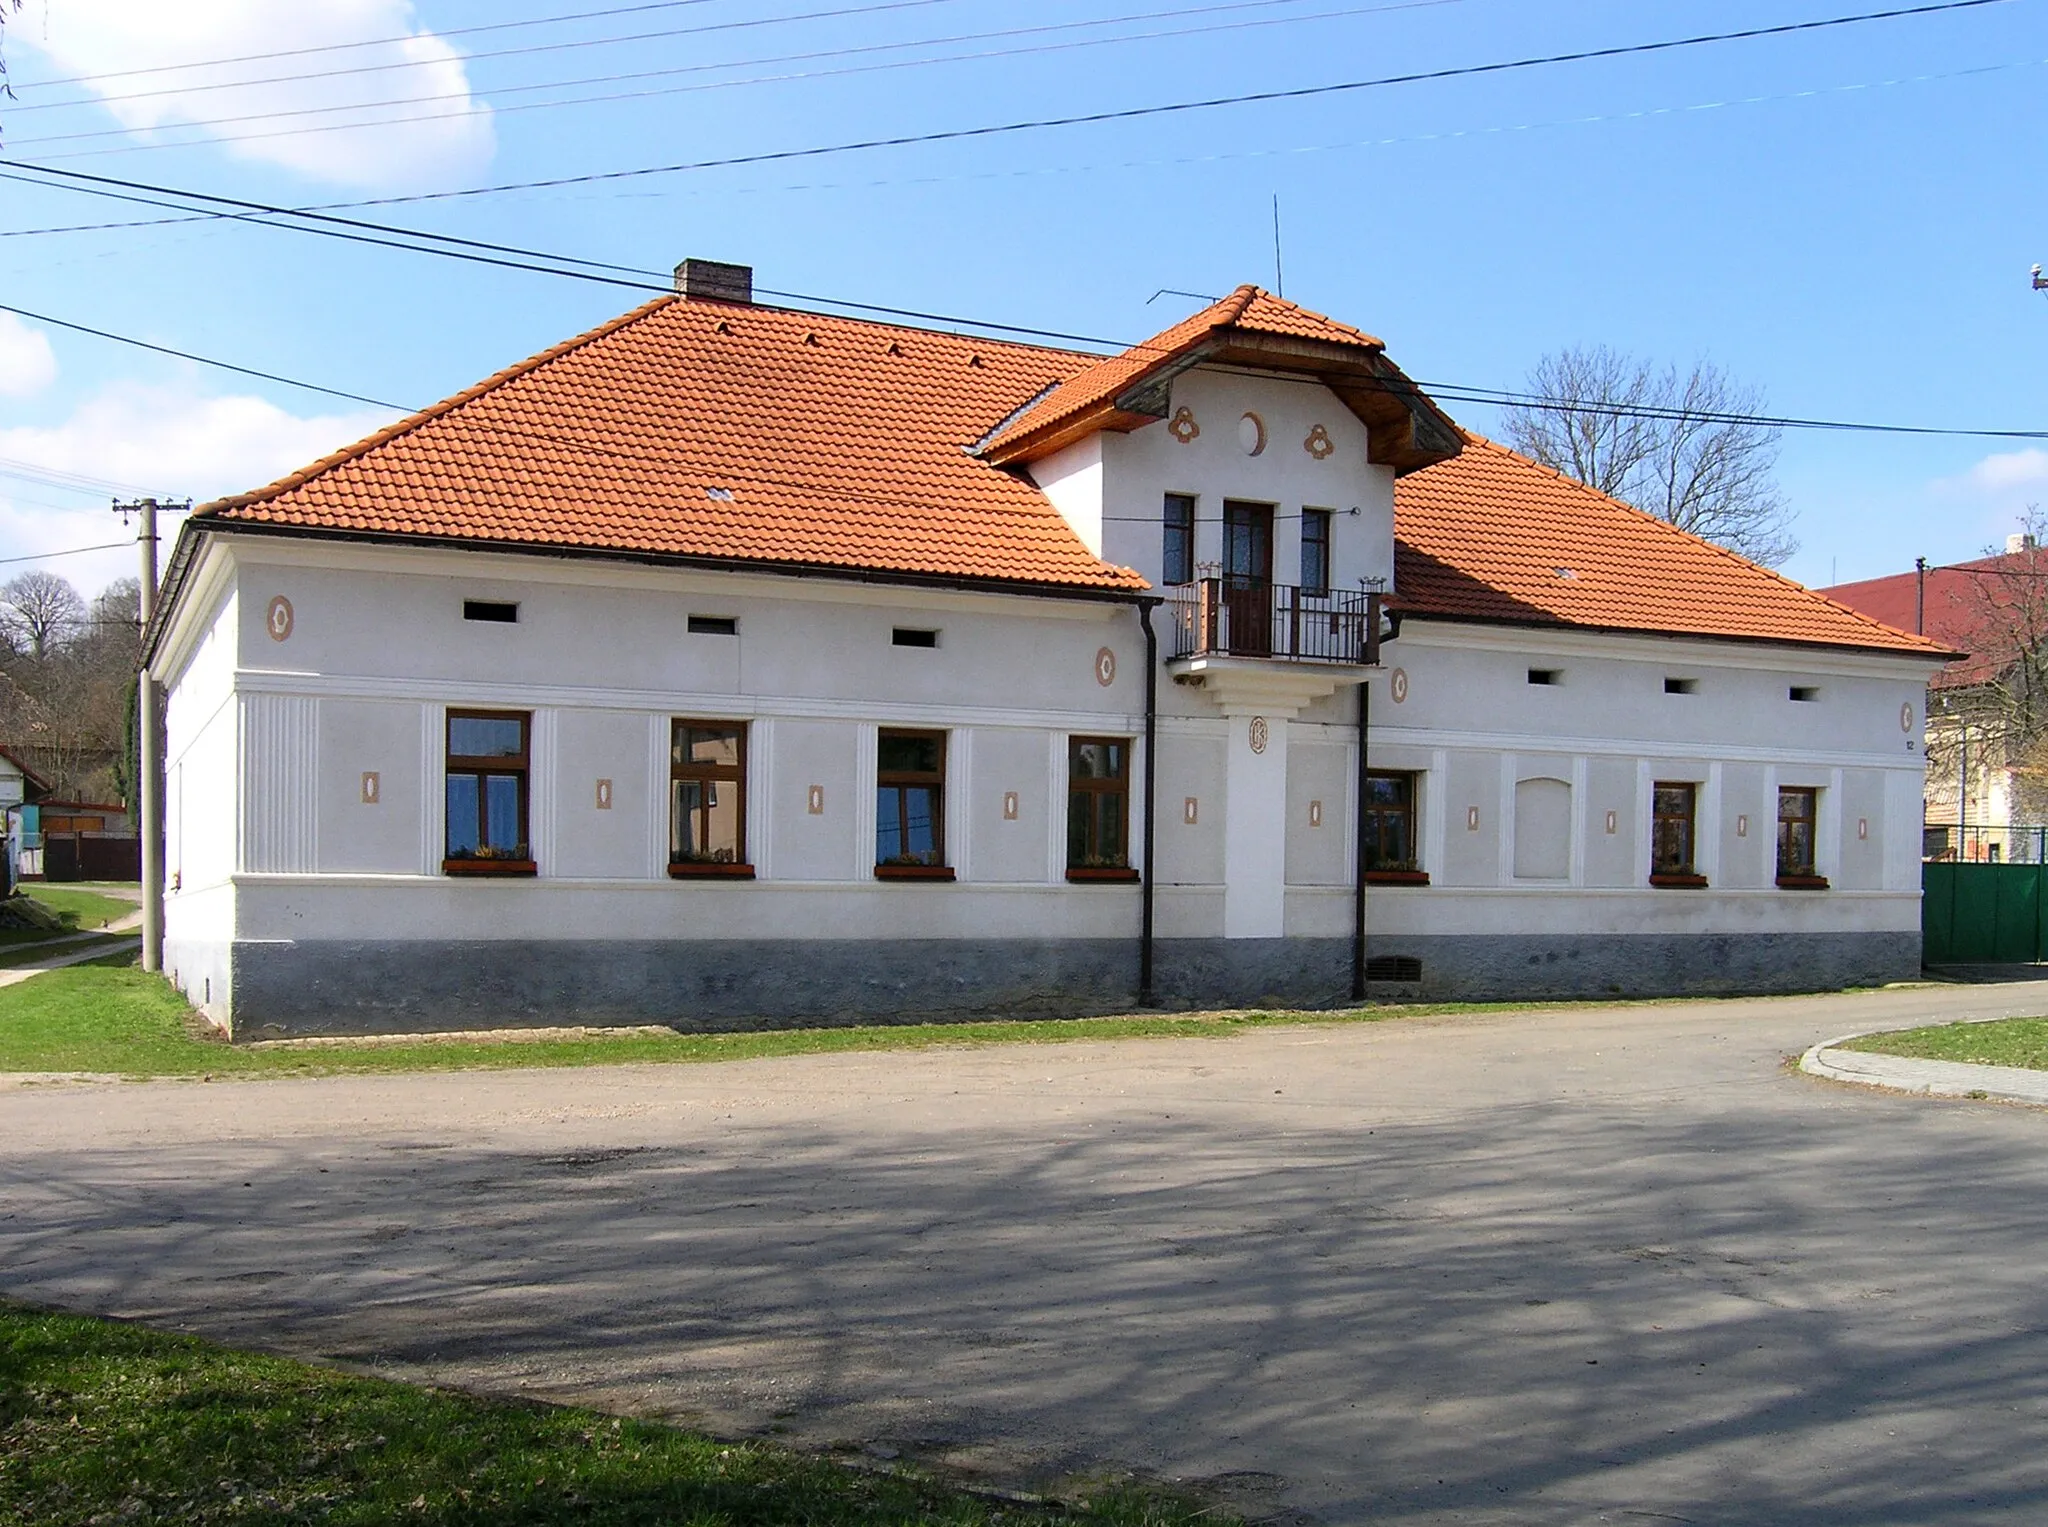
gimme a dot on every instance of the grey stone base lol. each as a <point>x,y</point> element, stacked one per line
<point>315,988</point>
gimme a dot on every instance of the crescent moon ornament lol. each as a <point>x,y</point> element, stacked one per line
<point>1251,434</point>
<point>1906,717</point>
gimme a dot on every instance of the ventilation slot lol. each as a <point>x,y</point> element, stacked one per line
<point>911,636</point>
<point>1680,686</point>
<point>491,610</point>
<point>714,625</point>
<point>1545,675</point>
<point>1805,693</point>
<point>1393,967</point>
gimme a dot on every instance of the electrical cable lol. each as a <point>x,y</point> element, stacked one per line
<point>1132,113</point>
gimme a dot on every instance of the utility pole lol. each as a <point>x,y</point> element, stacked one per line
<point>149,782</point>
<point>1920,596</point>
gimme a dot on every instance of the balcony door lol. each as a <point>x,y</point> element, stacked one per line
<point>1248,576</point>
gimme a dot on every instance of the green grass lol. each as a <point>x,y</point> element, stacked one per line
<point>81,908</point>
<point>2006,1042</point>
<point>102,1422</point>
<point>107,1016</point>
<point>12,955</point>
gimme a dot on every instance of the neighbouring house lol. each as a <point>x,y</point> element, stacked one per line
<point>20,788</point>
<point>1987,714</point>
<point>733,664</point>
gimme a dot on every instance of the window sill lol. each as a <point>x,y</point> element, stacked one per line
<point>508,869</point>
<point>1121,874</point>
<point>711,871</point>
<point>913,872</point>
<point>1397,877</point>
<point>1802,882</point>
<point>1680,882</point>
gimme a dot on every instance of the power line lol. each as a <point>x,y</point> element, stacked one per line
<point>70,551</point>
<point>1131,113</point>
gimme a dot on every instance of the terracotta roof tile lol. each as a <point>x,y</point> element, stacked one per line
<point>1492,536</point>
<point>694,428</point>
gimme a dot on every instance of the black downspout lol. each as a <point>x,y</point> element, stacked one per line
<point>1359,830</point>
<point>1145,996</point>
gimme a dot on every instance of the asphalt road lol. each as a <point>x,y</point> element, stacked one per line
<point>1602,1265</point>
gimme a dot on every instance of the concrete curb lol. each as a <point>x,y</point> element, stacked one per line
<point>1928,1078</point>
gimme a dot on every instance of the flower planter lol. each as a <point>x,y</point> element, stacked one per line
<point>1115,874</point>
<point>1397,877</point>
<point>713,870</point>
<point>1680,882</point>
<point>502,868</point>
<point>913,872</point>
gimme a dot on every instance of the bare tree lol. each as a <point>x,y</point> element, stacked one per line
<point>43,611</point>
<point>1685,448</point>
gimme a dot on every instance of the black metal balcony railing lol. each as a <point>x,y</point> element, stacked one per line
<point>1229,617</point>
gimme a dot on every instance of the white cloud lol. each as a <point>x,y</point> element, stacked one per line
<point>166,440</point>
<point>103,37</point>
<point>27,365</point>
<point>2009,472</point>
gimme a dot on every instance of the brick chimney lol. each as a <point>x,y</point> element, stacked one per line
<point>711,280</point>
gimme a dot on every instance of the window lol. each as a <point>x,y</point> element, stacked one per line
<point>1099,809</point>
<point>487,793</point>
<point>1177,562</point>
<point>1545,676</point>
<point>1315,551</point>
<point>707,799</point>
<point>714,625</point>
<point>490,609</point>
<point>1390,825</point>
<point>1798,813</point>
<point>910,802</point>
<point>1681,686</point>
<point>912,636</point>
<point>1671,832</point>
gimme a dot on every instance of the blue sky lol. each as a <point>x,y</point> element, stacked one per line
<point>1843,217</point>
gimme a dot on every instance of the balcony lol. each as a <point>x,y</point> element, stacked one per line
<point>1274,622</point>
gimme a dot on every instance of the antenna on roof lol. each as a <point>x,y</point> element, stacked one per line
<point>1279,279</point>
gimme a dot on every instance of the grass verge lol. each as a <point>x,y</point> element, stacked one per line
<point>2005,1042</point>
<point>82,910</point>
<point>102,1422</point>
<point>14,956</point>
<point>108,1017</point>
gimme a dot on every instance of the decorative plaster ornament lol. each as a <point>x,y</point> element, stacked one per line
<point>1251,434</point>
<point>1183,428</point>
<point>1613,821</point>
<point>1257,733</point>
<point>604,795</point>
<point>814,801</point>
<point>1009,805</point>
<point>1863,828</point>
<point>1315,813</point>
<point>370,787</point>
<point>1742,827</point>
<point>1105,667</point>
<point>1471,819</point>
<point>1189,811</point>
<point>278,622</point>
<point>1319,444</point>
<point>1397,686</point>
<point>1906,717</point>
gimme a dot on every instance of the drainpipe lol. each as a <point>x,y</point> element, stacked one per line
<point>1145,994</point>
<point>1358,831</point>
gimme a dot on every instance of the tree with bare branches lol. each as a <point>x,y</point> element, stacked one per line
<point>1686,448</point>
<point>42,611</point>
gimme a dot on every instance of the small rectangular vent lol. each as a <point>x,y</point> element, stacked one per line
<point>714,625</point>
<point>1806,694</point>
<point>1680,686</point>
<point>912,636</point>
<point>1545,676</point>
<point>1393,967</point>
<point>491,610</point>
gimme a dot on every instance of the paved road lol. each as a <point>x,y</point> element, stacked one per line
<point>1612,1265</point>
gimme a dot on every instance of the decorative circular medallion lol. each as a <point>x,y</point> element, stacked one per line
<point>278,622</point>
<point>1319,444</point>
<point>1258,734</point>
<point>1906,717</point>
<point>1251,434</point>
<point>1183,428</point>
<point>1105,667</point>
<point>1397,686</point>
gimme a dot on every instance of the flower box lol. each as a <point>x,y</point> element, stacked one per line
<point>1114,873</point>
<point>709,869</point>
<point>913,872</point>
<point>504,868</point>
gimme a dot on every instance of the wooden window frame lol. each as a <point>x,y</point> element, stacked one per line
<point>1809,878</point>
<point>1326,519</point>
<point>483,862</point>
<point>1688,878</point>
<point>899,866</point>
<point>740,867</point>
<point>1407,868</point>
<point>1172,524</point>
<point>1118,786</point>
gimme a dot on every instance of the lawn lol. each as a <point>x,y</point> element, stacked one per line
<point>107,1016</point>
<point>2006,1042</point>
<point>81,907</point>
<point>105,1422</point>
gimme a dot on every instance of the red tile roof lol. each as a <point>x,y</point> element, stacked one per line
<point>1248,310</point>
<point>1492,536</point>
<point>726,431</point>
<point>1983,608</point>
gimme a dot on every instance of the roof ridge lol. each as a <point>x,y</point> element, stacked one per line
<point>433,411</point>
<point>1715,546</point>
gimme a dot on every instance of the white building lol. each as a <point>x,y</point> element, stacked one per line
<point>733,664</point>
